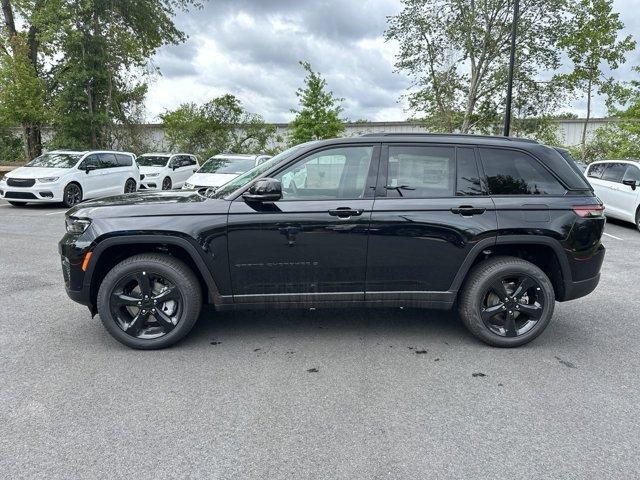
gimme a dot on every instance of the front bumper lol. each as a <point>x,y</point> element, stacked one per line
<point>72,254</point>
<point>152,183</point>
<point>39,193</point>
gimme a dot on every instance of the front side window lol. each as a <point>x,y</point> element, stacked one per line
<point>614,172</point>
<point>632,173</point>
<point>55,160</point>
<point>330,174</point>
<point>510,172</point>
<point>421,171</point>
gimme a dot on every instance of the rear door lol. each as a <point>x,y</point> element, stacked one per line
<point>112,175</point>
<point>430,211</point>
<point>624,197</point>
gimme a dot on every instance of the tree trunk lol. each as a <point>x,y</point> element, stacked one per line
<point>586,122</point>
<point>32,141</point>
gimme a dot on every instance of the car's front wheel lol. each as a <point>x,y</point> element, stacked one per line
<point>506,301</point>
<point>72,195</point>
<point>149,301</point>
<point>166,183</point>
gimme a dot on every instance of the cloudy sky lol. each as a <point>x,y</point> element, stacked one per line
<point>251,48</point>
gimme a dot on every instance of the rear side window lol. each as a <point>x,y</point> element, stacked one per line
<point>596,169</point>
<point>614,172</point>
<point>421,171</point>
<point>124,160</point>
<point>468,179</point>
<point>108,160</point>
<point>510,172</point>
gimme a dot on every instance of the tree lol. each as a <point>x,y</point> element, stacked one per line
<point>101,80</point>
<point>319,114</point>
<point>220,125</point>
<point>591,43</point>
<point>23,97</point>
<point>457,53</point>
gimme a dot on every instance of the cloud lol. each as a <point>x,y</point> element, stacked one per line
<point>251,48</point>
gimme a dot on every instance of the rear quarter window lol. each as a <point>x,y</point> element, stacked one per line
<point>124,160</point>
<point>596,169</point>
<point>512,172</point>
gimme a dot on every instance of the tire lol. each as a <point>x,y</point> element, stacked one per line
<point>17,204</point>
<point>637,218</point>
<point>523,316</point>
<point>180,282</point>
<point>166,183</point>
<point>72,195</point>
<point>130,186</point>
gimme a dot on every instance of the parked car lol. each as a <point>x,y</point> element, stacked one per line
<point>166,170</point>
<point>502,228</point>
<point>616,182</point>
<point>71,177</point>
<point>567,155</point>
<point>219,169</point>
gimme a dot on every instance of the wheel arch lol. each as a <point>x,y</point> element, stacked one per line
<point>544,252</point>
<point>111,251</point>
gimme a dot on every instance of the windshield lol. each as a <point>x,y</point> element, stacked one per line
<point>152,161</point>
<point>55,160</point>
<point>255,172</point>
<point>229,165</point>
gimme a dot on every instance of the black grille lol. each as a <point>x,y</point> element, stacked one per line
<point>21,182</point>
<point>21,195</point>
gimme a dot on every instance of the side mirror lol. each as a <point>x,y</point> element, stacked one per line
<point>264,190</point>
<point>88,168</point>
<point>174,166</point>
<point>632,183</point>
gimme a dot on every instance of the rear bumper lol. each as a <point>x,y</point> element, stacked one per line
<point>580,289</point>
<point>590,267</point>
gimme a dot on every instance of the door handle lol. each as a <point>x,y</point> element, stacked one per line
<point>345,212</point>
<point>468,210</point>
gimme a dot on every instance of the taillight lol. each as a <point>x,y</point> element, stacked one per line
<point>589,211</point>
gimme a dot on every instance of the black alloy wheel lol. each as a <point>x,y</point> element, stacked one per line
<point>72,195</point>
<point>130,186</point>
<point>166,183</point>
<point>512,305</point>
<point>506,301</point>
<point>149,301</point>
<point>146,305</point>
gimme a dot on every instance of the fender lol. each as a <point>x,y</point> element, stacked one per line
<point>166,239</point>
<point>512,240</point>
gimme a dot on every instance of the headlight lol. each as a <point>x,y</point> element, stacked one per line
<point>48,179</point>
<point>76,226</point>
<point>151,175</point>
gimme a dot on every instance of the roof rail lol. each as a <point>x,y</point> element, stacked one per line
<point>440,135</point>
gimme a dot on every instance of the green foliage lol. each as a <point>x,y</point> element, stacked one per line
<point>11,147</point>
<point>457,52</point>
<point>319,114</point>
<point>220,125</point>
<point>591,43</point>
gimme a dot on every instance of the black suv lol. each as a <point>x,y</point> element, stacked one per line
<point>499,227</point>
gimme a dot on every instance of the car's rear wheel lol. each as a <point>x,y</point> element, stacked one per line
<point>166,183</point>
<point>506,301</point>
<point>17,204</point>
<point>72,195</point>
<point>130,186</point>
<point>149,301</point>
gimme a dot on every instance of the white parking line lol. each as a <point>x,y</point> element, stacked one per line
<point>613,236</point>
<point>55,213</point>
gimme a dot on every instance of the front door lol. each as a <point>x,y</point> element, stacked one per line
<point>312,244</point>
<point>430,211</point>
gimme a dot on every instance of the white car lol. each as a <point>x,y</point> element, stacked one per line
<point>617,183</point>
<point>166,170</point>
<point>220,169</point>
<point>71,177</point>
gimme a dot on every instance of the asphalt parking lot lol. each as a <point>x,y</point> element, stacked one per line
<point>397,394</point>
